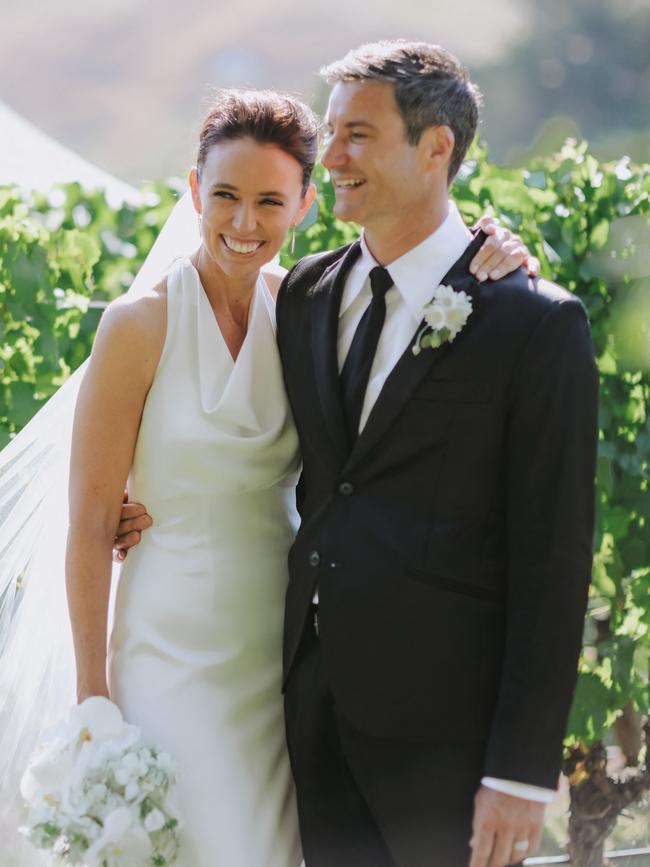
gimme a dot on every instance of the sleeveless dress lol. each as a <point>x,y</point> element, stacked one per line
<point>195,649</point>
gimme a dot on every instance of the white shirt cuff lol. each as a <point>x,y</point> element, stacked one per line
<point>520,790</point>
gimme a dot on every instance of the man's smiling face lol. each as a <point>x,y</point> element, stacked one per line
<point>376,173</point>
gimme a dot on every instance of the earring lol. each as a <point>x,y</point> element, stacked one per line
<point>200,218</point>
<point>293,240</point>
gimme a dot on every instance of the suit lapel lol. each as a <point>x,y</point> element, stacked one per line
<point>411,369</point>
<point>326,302</point>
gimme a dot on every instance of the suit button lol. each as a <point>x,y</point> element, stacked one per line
<point>314,558</point>
<point>346,489</point>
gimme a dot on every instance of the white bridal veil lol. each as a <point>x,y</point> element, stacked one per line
<point>37,676</point>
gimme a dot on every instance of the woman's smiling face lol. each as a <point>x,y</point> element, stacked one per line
<point>249,195</point>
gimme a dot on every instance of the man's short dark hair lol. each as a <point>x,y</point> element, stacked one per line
<point>432,88</point>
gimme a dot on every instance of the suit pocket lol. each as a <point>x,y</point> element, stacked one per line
<point>453,391</point>
<point>399,656</point>
<point>462,588</point>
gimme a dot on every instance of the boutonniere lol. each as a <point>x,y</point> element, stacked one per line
<point>445,317</point>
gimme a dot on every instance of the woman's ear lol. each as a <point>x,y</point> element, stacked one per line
<point>195,187</point>
<point>306,203</point>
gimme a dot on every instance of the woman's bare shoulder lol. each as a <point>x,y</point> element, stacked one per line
<point>135,327</point>
<point>144,314</point>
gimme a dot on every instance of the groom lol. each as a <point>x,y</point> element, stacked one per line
<point>439,578</point>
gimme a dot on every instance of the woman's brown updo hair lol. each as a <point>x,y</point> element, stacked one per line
<point>266,117</point>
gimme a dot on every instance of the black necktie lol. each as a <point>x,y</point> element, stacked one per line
<point>357,366</point>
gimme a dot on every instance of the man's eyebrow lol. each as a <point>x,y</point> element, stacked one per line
<point>353,123</point>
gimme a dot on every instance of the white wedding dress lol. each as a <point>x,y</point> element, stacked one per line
<point>195,649</point>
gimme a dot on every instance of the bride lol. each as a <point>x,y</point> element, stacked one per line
<point>183,399</point>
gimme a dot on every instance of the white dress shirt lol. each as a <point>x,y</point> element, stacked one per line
<point>415,275</point>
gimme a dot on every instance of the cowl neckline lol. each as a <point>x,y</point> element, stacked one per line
<point>229,387</point>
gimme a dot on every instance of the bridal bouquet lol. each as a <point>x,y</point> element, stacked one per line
<point>96,794</point>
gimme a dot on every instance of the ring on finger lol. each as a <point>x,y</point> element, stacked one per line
<point>521,845</point>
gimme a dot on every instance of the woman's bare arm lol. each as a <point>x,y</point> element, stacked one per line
<point>107,418</point>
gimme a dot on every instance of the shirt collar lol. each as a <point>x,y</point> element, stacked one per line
<point>419,271</point>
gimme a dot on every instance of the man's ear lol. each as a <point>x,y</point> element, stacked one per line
<point>436,148</point>
<point>195,188</point>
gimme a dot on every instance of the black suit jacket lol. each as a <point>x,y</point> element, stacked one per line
<point>452,544</point>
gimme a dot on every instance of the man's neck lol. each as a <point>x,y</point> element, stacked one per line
<point>387,242</point>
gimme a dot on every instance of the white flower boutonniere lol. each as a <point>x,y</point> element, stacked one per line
<point>445,316</point>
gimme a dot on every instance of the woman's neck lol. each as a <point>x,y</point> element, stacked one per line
<point>226,295</point>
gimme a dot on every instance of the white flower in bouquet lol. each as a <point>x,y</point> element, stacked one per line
<point>445,317</point>
<point>97,794</point>
<point>47,768</point>
<point>155,821</point>
<point>63,746</point>
<point>129,772</point>
<point>122,843</point>
<point>165,763</point>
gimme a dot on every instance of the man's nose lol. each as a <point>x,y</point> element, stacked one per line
<point>334,154</point>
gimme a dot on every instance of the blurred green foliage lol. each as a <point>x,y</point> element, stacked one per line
<point>589,224</point>
<point>63,256</point>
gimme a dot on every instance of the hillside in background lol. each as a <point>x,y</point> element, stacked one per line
<point>124,82</point>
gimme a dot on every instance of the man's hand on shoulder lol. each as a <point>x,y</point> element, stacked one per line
<point>134,519</point>
<point>502,824</point>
